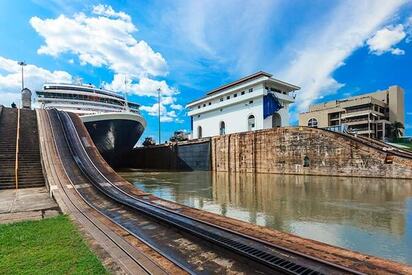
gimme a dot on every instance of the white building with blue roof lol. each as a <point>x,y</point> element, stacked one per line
<point>254,102</point>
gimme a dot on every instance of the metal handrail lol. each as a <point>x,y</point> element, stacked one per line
<point>16,167</point>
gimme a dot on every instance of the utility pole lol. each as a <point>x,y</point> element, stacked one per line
<point>126,103</point>
<point>22,64</point>
<point>158,105</point>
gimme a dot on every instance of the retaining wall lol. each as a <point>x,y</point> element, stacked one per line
<point>283,150</point>
<point>278,150</point>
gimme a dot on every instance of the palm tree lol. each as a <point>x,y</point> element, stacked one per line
<point>396,129</point>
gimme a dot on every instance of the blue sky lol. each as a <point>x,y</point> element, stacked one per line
<point>332,49</point>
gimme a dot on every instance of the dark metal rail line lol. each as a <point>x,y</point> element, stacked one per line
<point>80,210</point>
<point>381,146</point>
<point>277,258</point>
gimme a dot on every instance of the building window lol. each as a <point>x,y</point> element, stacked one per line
<point>210,103</point>
<point>222,128</point>
<point>242,93</point>
<point>235,95</point>
<point>228,97</point>
<point>276,120</point>
<point>251,123</point>
<point>221,110</point>
<point>198,115</point>
<point>204,105</point>
<point>250,90</point>
<point>313,122</point>
<point>251,102</point>
<point>198,107</point>
<point>221,99</point>
<point>199,131</point>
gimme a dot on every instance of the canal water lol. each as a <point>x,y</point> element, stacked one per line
<point>373,216</point>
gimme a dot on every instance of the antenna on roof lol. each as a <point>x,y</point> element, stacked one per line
<point>77,80</point>
<point>125,94</point>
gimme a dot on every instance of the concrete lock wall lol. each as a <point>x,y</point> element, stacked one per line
<point>289,150</point>
<point>194,155</point>
<point>302,151</point>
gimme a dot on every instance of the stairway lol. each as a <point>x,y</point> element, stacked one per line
<point>30,171</point>
<point>8,132</point>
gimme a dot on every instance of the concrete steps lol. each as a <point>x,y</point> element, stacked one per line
<point>8,133</point>
<point>30,169</point>
<point>30,172</point>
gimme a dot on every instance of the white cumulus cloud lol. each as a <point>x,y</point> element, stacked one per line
<point>105,38</point>
<point>10,79</point>
<point>108,11</point>
<point>102,40</point>
<point>385,39</point>
<point>165,115</point>
<point>145,86</point>
<point>149,88</point>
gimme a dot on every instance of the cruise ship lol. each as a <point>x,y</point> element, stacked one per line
<point>114,124</point>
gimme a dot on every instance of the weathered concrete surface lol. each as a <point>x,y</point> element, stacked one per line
<point>278,150</point>
<point>26,204</point>
<point>283,150</point>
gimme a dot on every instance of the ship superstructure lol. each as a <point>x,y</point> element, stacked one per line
<point>114,124</point>
<point>83,99</point>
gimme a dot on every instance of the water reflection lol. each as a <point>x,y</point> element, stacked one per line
<point>369,215</point>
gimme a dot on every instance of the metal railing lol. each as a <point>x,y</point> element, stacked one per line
<point>16,167</point>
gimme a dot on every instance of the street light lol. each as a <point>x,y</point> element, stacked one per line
<point>158,103</point>
<point>22,64</point>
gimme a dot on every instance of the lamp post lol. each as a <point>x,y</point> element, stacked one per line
<point>22,64</point>
<point>126,103</point>
<point>158,105</point>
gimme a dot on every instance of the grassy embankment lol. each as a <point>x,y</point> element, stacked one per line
<point>407,145</point>
<point>403,144</point>
<point>49,246</point>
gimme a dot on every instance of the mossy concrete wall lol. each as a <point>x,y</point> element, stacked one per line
<point>283,150</point>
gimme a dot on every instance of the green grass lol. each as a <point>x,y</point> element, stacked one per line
<point>408,145</point>
<point>49,246</point>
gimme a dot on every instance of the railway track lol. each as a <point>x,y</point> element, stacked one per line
<point>162,228</point>
<point>136,262</point>
<point>187,252</point>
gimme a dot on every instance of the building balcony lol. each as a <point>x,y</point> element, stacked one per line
<point>365,132</point>
<point>357,113</point>
<point>285,98</point>
<point>361,112</point>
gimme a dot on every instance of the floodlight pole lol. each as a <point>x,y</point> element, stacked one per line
<point>22,64</point>
<point>126,103</point>
<point>158,105</point>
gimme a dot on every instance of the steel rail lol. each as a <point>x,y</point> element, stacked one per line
<point>374,144</point>
<point>16,165</point>
<point>242,245</point>
<point>90,205</point>
<point>167,256</point>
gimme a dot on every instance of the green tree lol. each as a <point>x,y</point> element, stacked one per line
<point>148,141</point>
<point>396,129</point>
